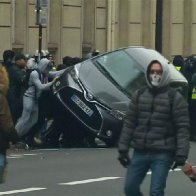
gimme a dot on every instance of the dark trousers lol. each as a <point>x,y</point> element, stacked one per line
<point>16,106</point>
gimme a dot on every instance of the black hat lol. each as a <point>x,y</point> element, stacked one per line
<point>8,54</point>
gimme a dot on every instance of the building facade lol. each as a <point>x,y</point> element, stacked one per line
<point>76,27</point>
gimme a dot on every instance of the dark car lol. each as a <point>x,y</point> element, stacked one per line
<point>98,91</point>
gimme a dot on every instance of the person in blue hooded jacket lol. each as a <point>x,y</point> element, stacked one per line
<point>157,130</point>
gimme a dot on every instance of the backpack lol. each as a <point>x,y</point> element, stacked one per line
<point>27,77</point>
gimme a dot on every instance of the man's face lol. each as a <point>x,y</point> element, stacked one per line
<point>21,63</point>
<point>155,74</point>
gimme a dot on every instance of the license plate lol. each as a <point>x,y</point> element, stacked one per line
<point>81,105</point>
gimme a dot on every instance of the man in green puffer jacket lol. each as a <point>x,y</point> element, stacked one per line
<point>157,130</point>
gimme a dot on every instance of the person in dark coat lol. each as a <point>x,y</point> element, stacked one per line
<point>178,62</point>
<point>16,74</point>
<point>157,130</point>
<point>189,68</point>
<point>7,131</point>
<point>189,71</point>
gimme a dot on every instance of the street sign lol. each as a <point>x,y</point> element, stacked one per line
<point>42,12</point>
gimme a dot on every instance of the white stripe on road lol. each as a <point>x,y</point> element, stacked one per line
<point>31,154</point>
<point>106,178</point>
<point>14,156</point>
<point>17,156</point>
<point>89,180</point>
<point>21,191</point>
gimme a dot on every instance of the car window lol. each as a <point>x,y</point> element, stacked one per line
<point>124,70</point>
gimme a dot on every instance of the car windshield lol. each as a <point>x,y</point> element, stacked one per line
<point>122,70</point>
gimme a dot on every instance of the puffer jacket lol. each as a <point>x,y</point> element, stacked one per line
<point>7,131</point>
<point>153,123</point>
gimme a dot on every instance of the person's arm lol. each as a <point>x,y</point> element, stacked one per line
<point>181,125</point>
<point>54,74</point>
<point>34,77</point>
<point>128,125</point>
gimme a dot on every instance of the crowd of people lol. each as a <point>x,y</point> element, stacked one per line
<point>27,103</point>
<point>32,103</point>
<point>30,99</point>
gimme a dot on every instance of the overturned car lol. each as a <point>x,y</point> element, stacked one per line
<point>96,92</point>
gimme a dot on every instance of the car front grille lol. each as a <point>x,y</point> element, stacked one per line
<point>84,110</point>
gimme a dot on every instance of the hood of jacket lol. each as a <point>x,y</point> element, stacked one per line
<point>165,79</point>
<point>4,81</point>
<point>43,65</point>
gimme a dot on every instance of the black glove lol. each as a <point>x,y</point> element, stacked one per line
<point>178,161</point>
<point>124,158</point>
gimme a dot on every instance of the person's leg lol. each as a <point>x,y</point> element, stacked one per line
<point>135,173</point>
<point>41,123</point>
<point>2,167</point>
<point>32,128</point>
<point>28,118</point>
<point>18,107</point>
<point>160,165</point>
<point>51,137</point>
<point>22,124</point>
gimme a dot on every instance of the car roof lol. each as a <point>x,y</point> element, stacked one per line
<point>144,56</point>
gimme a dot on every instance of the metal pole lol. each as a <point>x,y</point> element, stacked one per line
<point>38,9</point>
<point>109,21</point>
<point>40,42</point>
<point>158,29</point>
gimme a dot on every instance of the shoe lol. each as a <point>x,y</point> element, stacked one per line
<point>21,146</point>
<point>37,140</point>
